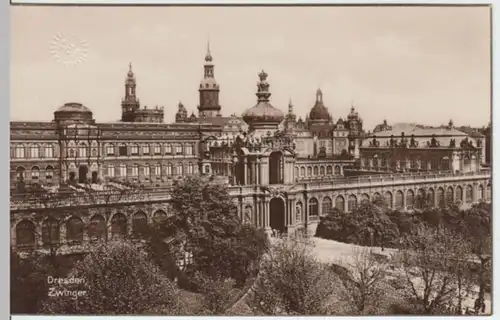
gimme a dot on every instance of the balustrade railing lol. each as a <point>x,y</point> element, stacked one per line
<point>106,197</point>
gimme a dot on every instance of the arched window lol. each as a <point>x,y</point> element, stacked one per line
<point>35,173</point>
<point>82,150</point>
<point>309,171</point>
<point>329,170</point>
<point>122,150</point>
<point>449,195</point>
<point>316,170</point>
<point>302,171</point>
<point>169,169</point>
<point>49,173</point>
<point>337,170</point>
<point>313,207</point>
<point>118,225</point>
<point>352,203</point>
<point>399,200</point>
<point>326,205</point>
<point>365,197</point>
<point>159,216</point>
<point>110,149</point>
<point>74,229</point>
<point>383,162</point>
<point>431,196</point>
<point>440,197</point>
<point>158,170</point>
<point>410,199</point>
<point>488,192</point>
<point>49,151</point>
<point>468,194</point>
<point>123,170</point>
<point>388,199</point>
<point>97,227</point>
<point>111,170</point>
<point>298,212</point>
<point>20,151</point>
<point>340,203</point>
<point>480,192</point>
<point>135,170</point>
<point>467,163</point>
<point>35,152</point>
<point>296,172</point>
<point>25,233</point>
<point>375,161</point>
<point>445,163</point>
<point>139,223</point>
<point>178,148</point>
<point>179,172</point>
<point>50,231</point>
<point>376,196</point>
<point>147,170</point>
<point>322,170</point>
<point>459,194</point>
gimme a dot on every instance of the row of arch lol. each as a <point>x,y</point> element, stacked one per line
<point>35,173</point>
<point>74,230</point>
<point>399,200</point>
<point>316,170</point>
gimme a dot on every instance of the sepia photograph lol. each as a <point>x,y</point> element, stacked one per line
<point>230,160</point>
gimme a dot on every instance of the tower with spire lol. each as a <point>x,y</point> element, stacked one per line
<point>290,118</point>
<point>130,102</point>
<point>209,90</point>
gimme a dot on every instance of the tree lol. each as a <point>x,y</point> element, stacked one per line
<point>292,282</point>
<point>429,260</point>
<point>368,224</point>
<point>362,279</point>
<point>478,229</point>
<point>206,225</point>
<point>117,279</point>
<point>28,282</point>
<point>217,293</point>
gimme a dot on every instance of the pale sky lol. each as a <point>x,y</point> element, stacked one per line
<point>405,64</point>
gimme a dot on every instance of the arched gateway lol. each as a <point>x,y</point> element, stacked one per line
<point>277,215</point>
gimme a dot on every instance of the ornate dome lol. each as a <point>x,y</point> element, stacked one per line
<point>73,111</point>
<point>263,113</point>
<point>319,111</point>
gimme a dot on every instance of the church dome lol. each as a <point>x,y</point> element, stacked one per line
<point>263,113</point>
<point>73,111</point>
<point>319,111</point>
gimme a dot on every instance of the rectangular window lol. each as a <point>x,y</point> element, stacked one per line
<point>19,152</point>
<point>134,150</point>
<point>178,148</point>
<point>49,152</point>
<point>168,148</point>
<point>122,151</point>
<point>110,150</point>
<point>34,152</point>
<point>145,150</point>
<point>111,171</point>
<point>157,149</point>
<point>146,170</point>
<point>158,170</point>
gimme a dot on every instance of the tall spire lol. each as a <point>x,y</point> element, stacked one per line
<point>208,56</point>
<point>290,105</point>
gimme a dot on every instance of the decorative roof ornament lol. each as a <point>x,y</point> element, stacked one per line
<point>130,73</point>
<point>263,93</point>
<point>208,55</point>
